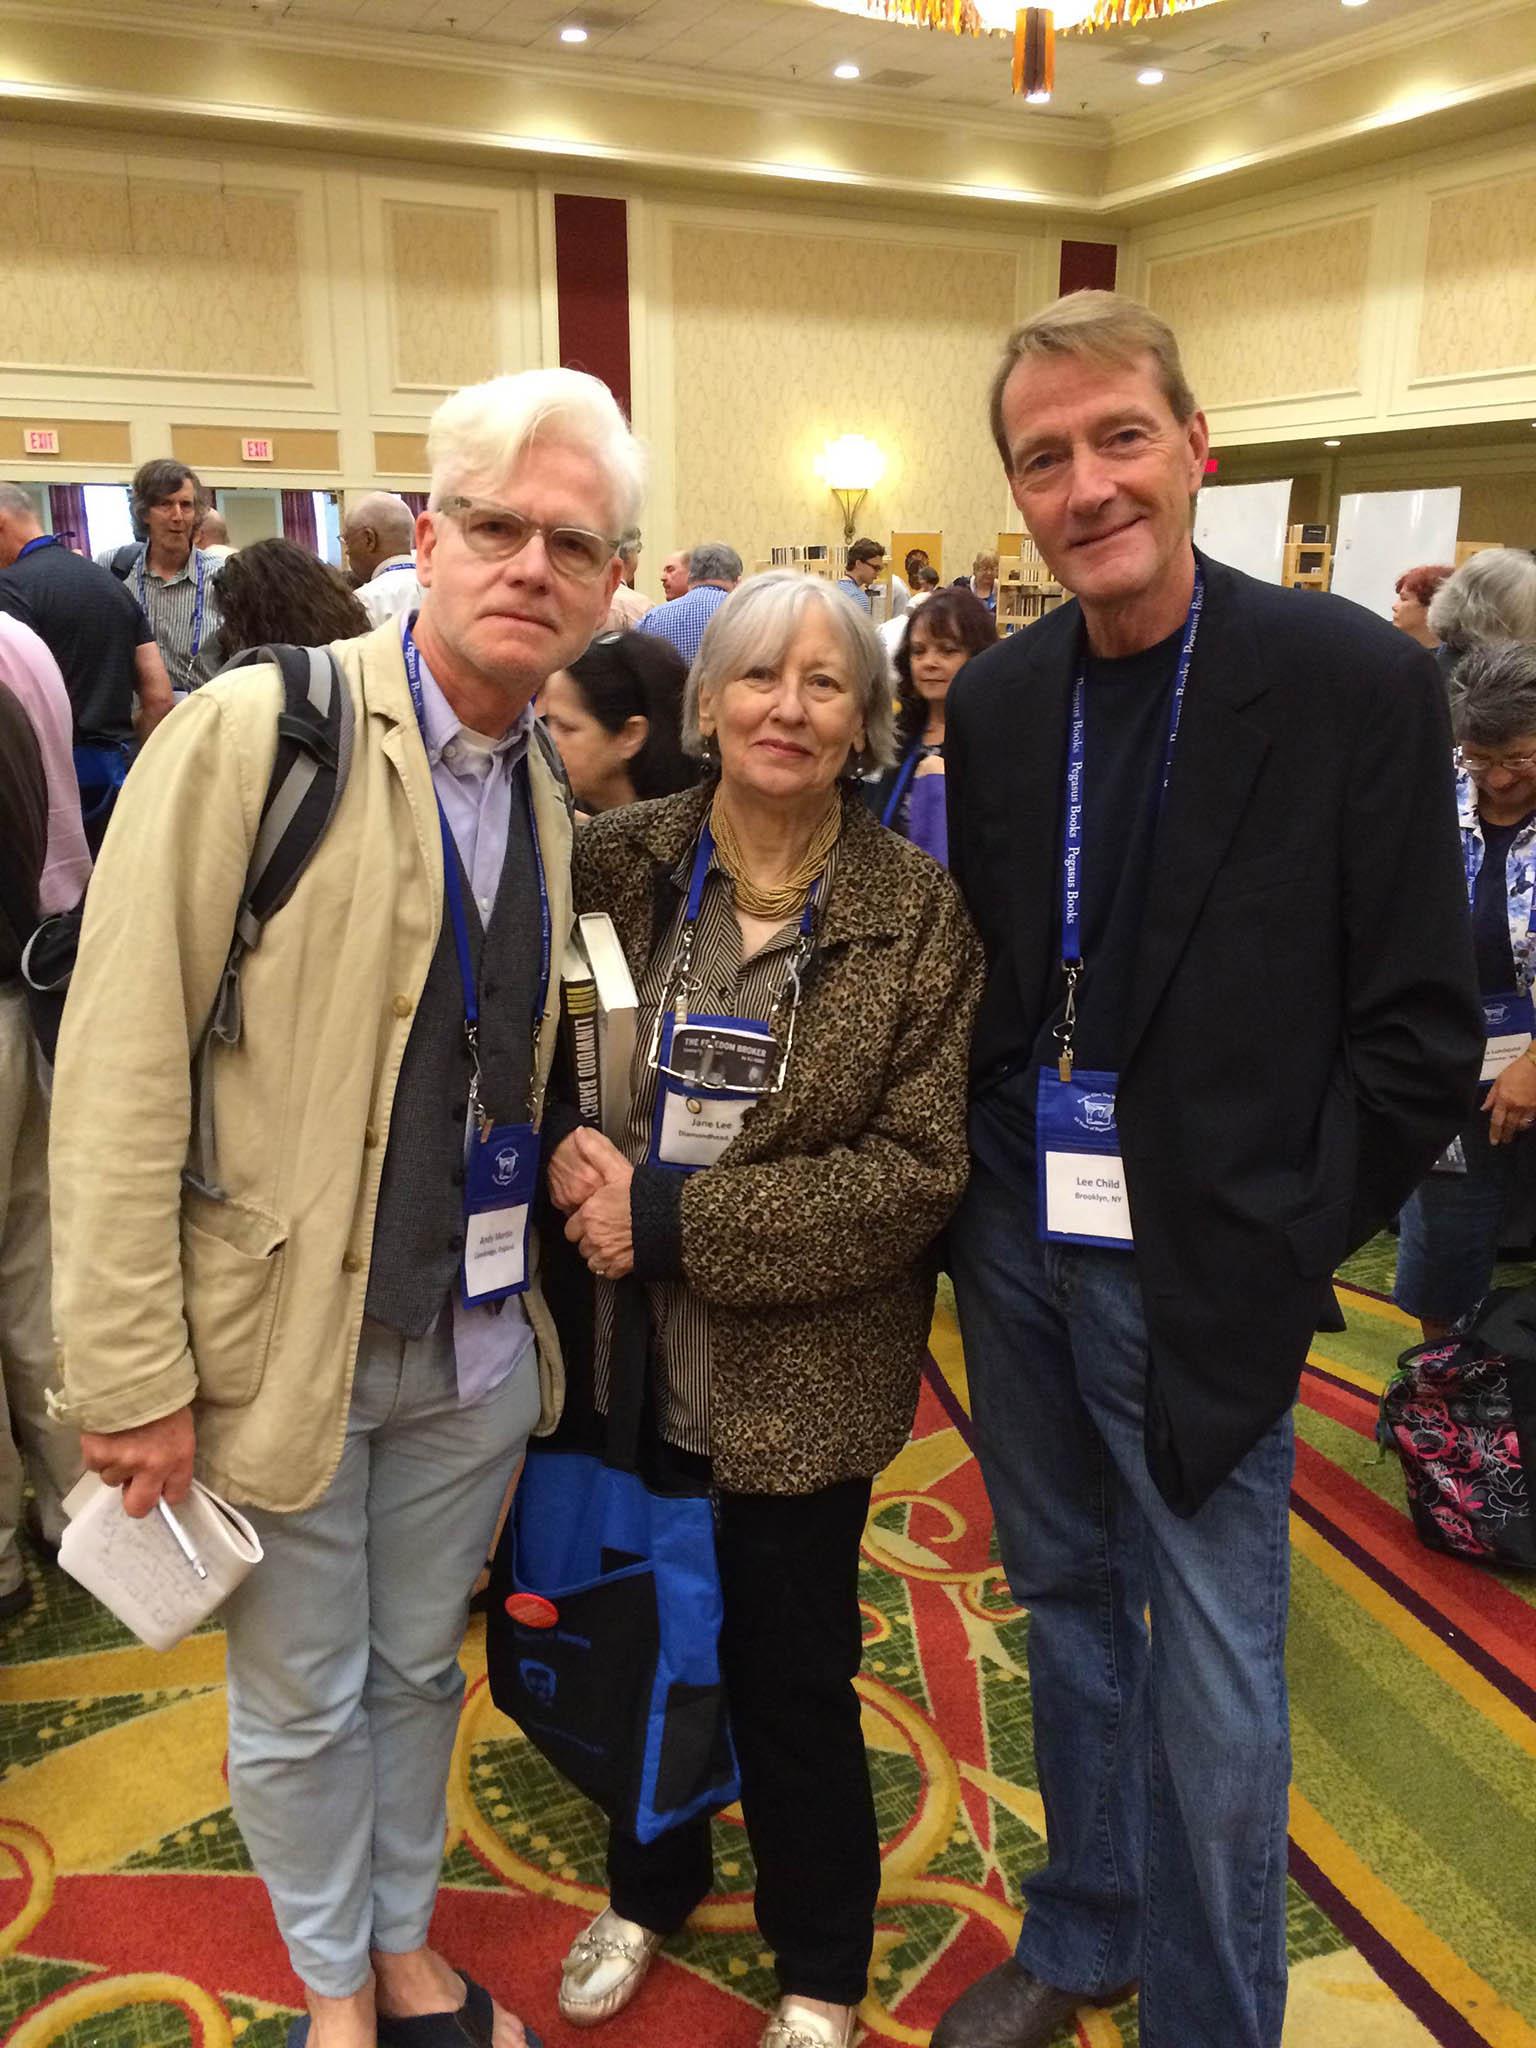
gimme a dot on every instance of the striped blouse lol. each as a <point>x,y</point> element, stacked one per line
<point>170,604</point>
<point>723,986</point>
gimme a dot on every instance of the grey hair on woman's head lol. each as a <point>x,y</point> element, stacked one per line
<point>1493,694</point>
<point>1492,596</point>
<point>755,628</point>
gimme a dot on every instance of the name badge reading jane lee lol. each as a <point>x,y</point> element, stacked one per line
<point>500,1175</point>
<point>712,1071</point>
<point>1082,1189</point>
<point>1507,1028</point>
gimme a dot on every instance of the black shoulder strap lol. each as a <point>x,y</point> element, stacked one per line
<point>126,559</point>
<point>309,773</point>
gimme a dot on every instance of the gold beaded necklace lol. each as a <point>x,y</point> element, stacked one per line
<point>782,901</point>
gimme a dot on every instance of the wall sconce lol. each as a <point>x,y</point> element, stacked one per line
<point>850,467</point>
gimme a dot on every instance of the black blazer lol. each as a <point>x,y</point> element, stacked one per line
<point>1305,1034</point>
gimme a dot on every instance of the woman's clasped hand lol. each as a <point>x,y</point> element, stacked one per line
<point>589,1182</point>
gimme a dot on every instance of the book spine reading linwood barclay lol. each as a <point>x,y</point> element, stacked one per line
<point>578,1025</point>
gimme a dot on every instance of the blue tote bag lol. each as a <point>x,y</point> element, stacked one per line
<point>603,1621</point>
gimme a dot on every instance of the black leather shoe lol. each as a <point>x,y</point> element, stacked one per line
<point>1010,2009</point>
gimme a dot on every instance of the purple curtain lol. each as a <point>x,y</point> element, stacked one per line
<point>417,500</point>
<point>66,508</point>
<point>299,519</point>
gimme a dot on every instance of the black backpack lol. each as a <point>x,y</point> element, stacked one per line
<point>309,772</point>
<point>1461,1415</point>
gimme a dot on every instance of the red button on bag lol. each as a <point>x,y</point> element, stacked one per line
<point>533,1610</point>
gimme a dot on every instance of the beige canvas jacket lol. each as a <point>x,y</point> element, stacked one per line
<point>250,1308</point>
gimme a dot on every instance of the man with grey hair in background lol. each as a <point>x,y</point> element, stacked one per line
<point>714,570</point>
<point>629,605</point>
<point>379,536</point>
<point>334,1322</point>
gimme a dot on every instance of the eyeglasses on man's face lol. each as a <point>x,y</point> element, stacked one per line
<point>1477,764</point>
<point>496,533</point>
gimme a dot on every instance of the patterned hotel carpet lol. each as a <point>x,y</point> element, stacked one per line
<point>128,1917</point>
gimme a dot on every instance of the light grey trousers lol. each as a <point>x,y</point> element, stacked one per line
<point>49,1454</point>
<point>344,1681</point>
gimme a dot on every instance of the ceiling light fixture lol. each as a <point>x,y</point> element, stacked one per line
<point>573,35</point>
<point>1331,444</point>
<point>1151,76</point>
<point>1354,3</point>
<point>1033,29</point>
<point>846,71</point>
<point>1038,99</point>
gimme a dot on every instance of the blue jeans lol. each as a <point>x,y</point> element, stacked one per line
<point>1450,1228</point>
<point>1163,1755</point>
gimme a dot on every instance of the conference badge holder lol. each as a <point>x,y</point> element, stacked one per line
<point>711,1070</point>
<point>1509,1022</point>
<point>501,1175</point>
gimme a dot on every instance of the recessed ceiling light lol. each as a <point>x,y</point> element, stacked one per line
<point>573,35</point>
<point>1331,444</point>
<point>1038,99</point>
<point>1151,76</point>
<point>1354,3</point>
<point>846,71</point>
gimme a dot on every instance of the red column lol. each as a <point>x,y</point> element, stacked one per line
<point>592,285</point>
<point>1087,267</point>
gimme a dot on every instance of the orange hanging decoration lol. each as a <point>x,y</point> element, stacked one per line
<point>1034,50</point>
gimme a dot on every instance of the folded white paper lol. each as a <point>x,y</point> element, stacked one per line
<point>138,1568</point>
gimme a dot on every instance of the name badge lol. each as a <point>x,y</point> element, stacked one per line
<point>501,1172</point>
<point>1083,1197</point>
<point>711,1071</point>
<point>1507,1029</point>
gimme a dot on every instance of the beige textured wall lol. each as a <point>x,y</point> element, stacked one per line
<point>1479,307</point>
<point>142,273</point>
<point>442,293</point>
<point>1278,316</point>
<point>782,341</point>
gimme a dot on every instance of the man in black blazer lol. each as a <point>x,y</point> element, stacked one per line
<point>1219,815</point>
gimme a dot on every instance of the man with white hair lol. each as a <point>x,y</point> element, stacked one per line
<point>379,536</point>
<point>333,1323</point>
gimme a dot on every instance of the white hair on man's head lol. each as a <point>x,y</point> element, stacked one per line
<point>480,433</point>
<point>757,625</point>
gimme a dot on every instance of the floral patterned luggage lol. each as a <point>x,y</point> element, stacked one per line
<point>1462,1417</point>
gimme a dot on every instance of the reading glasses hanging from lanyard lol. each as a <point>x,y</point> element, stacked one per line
<point>678,992</point>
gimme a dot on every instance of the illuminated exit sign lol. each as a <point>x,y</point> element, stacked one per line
<point>40,440</point>
<point>256,448</point>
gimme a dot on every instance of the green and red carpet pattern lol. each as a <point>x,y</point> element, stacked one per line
<point>129,1917</point>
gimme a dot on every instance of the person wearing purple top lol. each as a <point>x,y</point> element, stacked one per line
<point>948,628</point>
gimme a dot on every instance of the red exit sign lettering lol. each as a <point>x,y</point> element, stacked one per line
<point>40,440</point>
<point>256,448</point>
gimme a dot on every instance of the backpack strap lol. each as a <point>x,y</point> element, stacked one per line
<point>309,773</point>
<point>126,559</point>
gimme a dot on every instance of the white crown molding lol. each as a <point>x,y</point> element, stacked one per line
<point>1364,46</point>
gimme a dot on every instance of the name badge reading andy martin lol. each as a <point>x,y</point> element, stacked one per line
<point>712,1070</point>
<point>1082,1190</point>
<point>1507,1026</point>
<point>501,1172</point>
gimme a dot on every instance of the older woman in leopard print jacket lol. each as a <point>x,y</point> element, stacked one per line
<point>784,1239</point>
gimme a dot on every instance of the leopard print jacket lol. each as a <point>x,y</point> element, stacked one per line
<point>812,1240</point>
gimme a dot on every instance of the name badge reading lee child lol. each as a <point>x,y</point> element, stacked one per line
<point>728,1064</point>
<point>1507,1027</point>
<point>500,1174</point>
<point>1082,1191</point>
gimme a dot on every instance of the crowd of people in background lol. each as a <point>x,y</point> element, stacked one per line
<point>1029,874</point>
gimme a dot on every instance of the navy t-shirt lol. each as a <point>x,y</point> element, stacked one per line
<point>1490,910</point>
<point>1126,705</point>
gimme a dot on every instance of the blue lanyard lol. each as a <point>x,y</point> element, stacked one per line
<point>453,891</point>
<point>1073,824</point>
<point>43,540</point>
<point>701,860</point>
<point>908,768</point>
<point>197,601</point>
